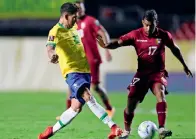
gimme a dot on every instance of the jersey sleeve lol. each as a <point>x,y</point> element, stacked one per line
<point>96,26</point>
<point>52,38</point>
<point>169,40</point>
<point>128,39</point>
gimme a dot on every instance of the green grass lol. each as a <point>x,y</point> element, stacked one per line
<point>24,115</point>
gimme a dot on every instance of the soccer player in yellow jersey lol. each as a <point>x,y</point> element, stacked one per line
<point>64,47</point>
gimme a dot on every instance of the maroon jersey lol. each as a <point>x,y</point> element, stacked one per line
<point>150,50</point>
<point>88,27</point>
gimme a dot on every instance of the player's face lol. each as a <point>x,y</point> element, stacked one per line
<point>149,27</point>
<point>71,20</point>
<point>81,11</point>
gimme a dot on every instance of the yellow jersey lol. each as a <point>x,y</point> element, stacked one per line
<point>69,48</point>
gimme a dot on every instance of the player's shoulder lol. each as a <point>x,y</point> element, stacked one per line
<point>163,33</point>
<point>136,32</point>
<point>54,30</point>
<point>74,27</point>
<point>91,18</point>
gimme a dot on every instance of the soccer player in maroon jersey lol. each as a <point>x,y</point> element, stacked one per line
<point>149,43</point>
<point>89,28</point>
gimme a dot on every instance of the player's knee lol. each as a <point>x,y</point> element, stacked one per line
<point>76,105</point>
<point>86,95</point>
<point>161,98</point>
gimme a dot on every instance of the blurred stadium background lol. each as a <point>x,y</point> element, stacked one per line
<point>24,26</point>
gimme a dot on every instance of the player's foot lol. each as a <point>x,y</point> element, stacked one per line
<point>111,112</point>
<point>125,135</point>
<point>58,118</point>
<point>115,132</point>
<point>163,133</point>
<point>46,134</point>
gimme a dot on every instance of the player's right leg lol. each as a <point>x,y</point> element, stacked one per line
<point>137,91</point>
<point>101,113</point>
<point>80,84</point>
<point>95,71</point>
<point>66,117</point>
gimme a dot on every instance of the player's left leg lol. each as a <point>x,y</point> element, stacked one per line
<point>158,90</point>
<point>95,68</point>
<point>136,93</point>
<point>68,101</point>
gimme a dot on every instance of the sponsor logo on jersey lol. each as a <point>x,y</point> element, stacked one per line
<point>142,40</point>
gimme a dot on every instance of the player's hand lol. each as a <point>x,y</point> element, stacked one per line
<point>108,56</point>
<point>54,59</point>
<point>100,41</point>
<point>188,72</point>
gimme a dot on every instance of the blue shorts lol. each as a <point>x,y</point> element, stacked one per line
<point>76,81</point>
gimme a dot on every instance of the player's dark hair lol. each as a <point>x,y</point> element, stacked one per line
<point>151,15</point>
<point>68,7</point>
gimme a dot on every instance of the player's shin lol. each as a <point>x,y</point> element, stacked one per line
<point>132,103</point>
<point>128,117</point>
<point>161,108</point>
<point>65,119</point>
<point>99,111</point>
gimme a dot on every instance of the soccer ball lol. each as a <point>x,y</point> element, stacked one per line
<point>147,130</point>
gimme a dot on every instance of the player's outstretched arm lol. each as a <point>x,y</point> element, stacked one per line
<point>52,54</point>
<point>112,45</point>
<point>106,39</point>
<point>177,53</point>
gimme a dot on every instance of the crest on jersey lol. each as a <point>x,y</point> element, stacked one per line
<point>51,38</point>
<point>158,40</point>
<point>83,25</point>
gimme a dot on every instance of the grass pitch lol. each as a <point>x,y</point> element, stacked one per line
<point>25,115</point>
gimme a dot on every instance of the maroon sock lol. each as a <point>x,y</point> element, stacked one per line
<point>128,120</point>
<point>107,104</point>
<point>161,112</point>
<point>68,103</point>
